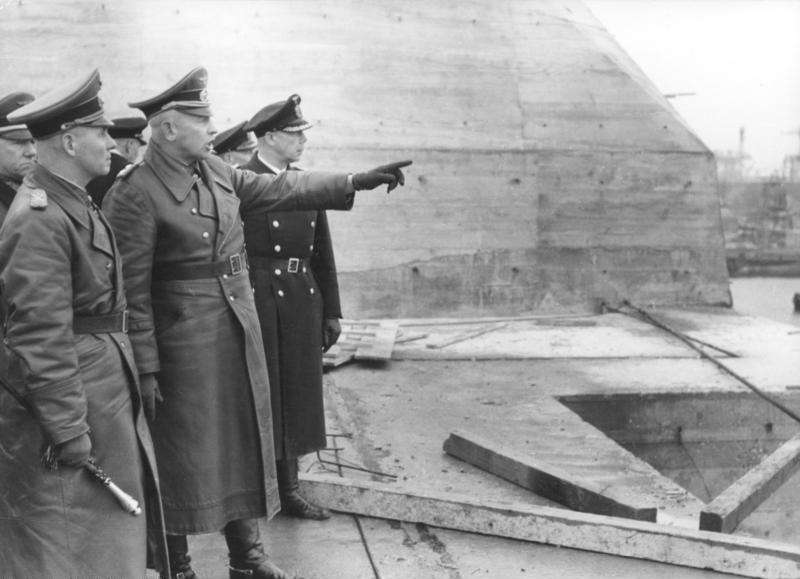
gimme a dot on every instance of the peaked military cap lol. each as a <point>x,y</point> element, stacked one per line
<point>8,104</point>
<point>233,138</point>
<point>74,105</point>
<point>128,128</point>
<point>280,116</point>
<point>188,95</point>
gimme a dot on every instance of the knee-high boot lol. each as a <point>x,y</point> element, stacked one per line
<point>247,557</point>
<point>179,559</point>
<point>292,502</point>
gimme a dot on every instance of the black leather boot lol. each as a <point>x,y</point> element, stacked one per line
<point>179,559</point>
<point>247,557</point>
<point>293,503</point>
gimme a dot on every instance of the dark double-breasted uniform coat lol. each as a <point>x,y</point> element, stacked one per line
<point>99,186</point>
<point>294,276</point>
<point>213,432</point>
<point>7,193</point>
<point>59,263</point>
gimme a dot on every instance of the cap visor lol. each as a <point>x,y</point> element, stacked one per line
<point>15,134</point>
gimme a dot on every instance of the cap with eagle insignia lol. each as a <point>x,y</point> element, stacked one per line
<point>234,139</point>
<point>74,105</point>
<point>128,128</point>
<point>281,116</point>
<point>189,95</point>
<point>9,104</point>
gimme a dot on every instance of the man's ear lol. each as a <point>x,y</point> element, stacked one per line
<point>169,128</point>
<point>68,144</point>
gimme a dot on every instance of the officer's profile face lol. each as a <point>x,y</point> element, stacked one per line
<point>194,136</point>
<point>91,149</point>
<point>289,145</point>
<point>16,158</point>
<point>129,148</point>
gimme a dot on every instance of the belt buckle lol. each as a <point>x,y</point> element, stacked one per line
<point>125,316</point>
<point>294,265</point>
<point>236,264</point>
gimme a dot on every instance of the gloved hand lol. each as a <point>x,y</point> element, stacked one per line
<point>390,175</point>
<point>150,395</point>
<point>75,452</point>
<point>331,329</point>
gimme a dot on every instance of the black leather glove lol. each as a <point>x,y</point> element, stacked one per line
<point>331,329</point>
<point>390,175</point>
<point>75,452</point>
<point>150,395</point>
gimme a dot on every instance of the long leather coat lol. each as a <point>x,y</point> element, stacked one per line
<point>292,300</point>
<point>213,432</point>
<point>59,261</point>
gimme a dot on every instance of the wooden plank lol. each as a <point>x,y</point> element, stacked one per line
<point>380,346</point>
<point>336,356</point>
<point>464,336</point>
<point>589,532</point>
<point>404,337</point>
<point>744,496</point>
<point>546,479</point>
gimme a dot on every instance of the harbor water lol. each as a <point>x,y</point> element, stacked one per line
<point>767,297</point>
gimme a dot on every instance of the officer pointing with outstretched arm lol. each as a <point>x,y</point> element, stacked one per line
<point>197,342</point>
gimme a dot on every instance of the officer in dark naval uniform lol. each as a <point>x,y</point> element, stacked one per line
<point>194,328</point>
<point>297,298</point>
<point>127,134</point>
<point>17,150</point>
<point>65,317</point>
<point>235,146</point>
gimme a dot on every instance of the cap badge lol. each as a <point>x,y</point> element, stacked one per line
<point>38,199</point>
<point>203,96</point>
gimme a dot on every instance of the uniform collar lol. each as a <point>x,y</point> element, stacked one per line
<point>178,177</point>
<point>70,197</point>
<point>271,168</point>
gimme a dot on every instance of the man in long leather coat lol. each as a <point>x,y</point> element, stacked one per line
<point>194,328</point>
<point>297,297</point>
<point>74,378</point>
<point>17,150</point>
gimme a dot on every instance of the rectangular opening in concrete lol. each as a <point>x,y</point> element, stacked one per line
<point>705,442</point>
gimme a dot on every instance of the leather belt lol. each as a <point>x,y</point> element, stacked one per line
<point>105,324</point>
<point>290,264</point>
<point>231,265</point>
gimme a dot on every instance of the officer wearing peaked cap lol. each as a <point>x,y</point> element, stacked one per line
<point>71,361</point>
<point>127,134</point>
<point>235,145</point>
<point>293,272</point>
<point>194,328</point>
<point>17,150</point>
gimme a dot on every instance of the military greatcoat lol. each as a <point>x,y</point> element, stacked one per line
<point>7,193</point>
<point>294,276</point>
<point>213,432</point>
<point>58,266</point>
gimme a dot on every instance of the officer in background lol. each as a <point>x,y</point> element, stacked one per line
<point>194,328</point>
<point>235,146</point>
<point>65,317</point>
<point>127,134</point>
<point>17,150</point>
<point>297,298</point>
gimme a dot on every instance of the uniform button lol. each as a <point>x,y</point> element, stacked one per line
<point>194,210</point>
<point>232,298</point>
<point>313,223</point>
<point>277,272</point>
<point>311,247</point>
<point>206,235</point>
<point>108,265</point>
<point>122,344</point>
<point>304,269</point>
<point>224,276</point>
<point>280,293</point>
<point>311,290</point>
<point>275,223</point>
<point>277,248</point>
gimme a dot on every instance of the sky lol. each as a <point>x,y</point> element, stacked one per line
<point>741,58</point>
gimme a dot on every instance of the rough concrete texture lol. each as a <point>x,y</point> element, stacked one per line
<point>549,171</point>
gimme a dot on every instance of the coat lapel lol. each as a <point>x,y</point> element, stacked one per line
<point>176,177</point>
<point>70,197</point>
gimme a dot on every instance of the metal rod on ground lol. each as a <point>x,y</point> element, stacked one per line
<point>647,317</point>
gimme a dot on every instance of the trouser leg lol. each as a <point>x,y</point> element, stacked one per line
<point>179,560</point>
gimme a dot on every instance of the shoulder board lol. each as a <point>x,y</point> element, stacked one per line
<point>38,199</point>
<point>127,170</point>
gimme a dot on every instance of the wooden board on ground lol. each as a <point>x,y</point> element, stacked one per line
<point>637,539</point>
<point>380,344</point>
<point>463,336</point>
<point>744,496</point>
<point>362,341</point>
<point>546,479</point>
